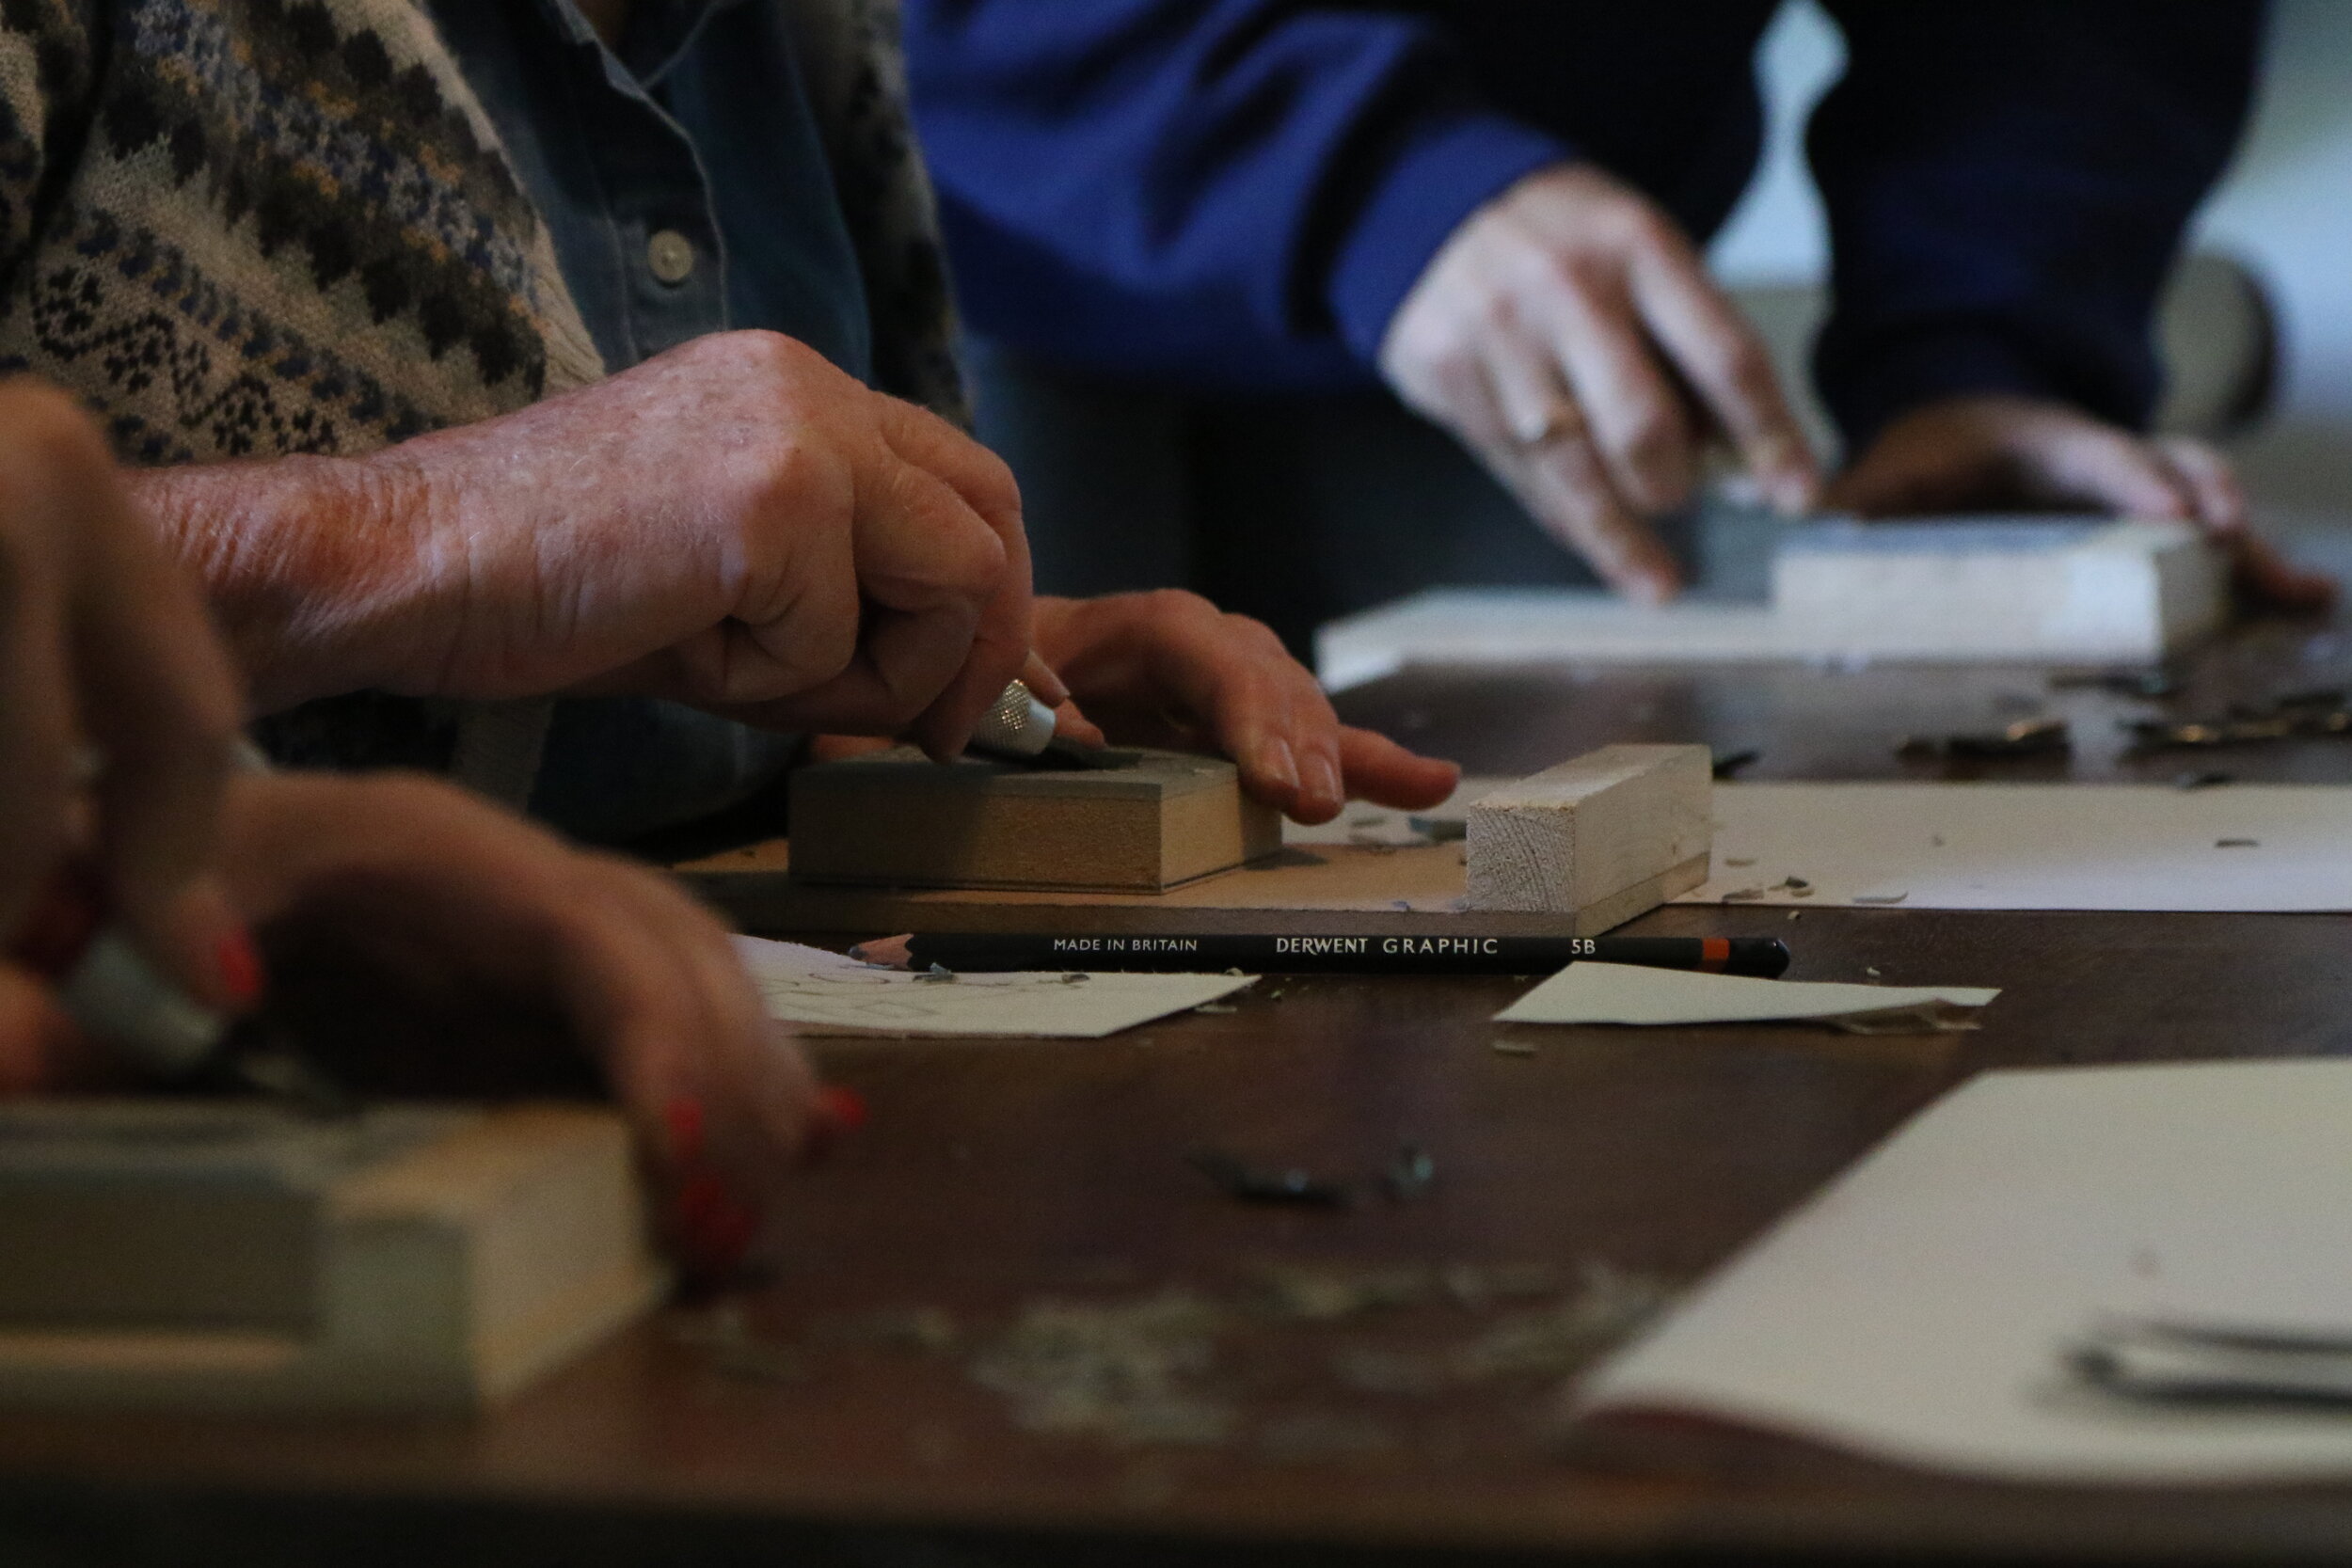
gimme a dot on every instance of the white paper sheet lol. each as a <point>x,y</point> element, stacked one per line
<point>826,994</point>
<point>1917,1310</point>
<point>1587,992</point>
<point>2034,847</point>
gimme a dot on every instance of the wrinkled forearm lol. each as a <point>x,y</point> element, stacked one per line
<point>310,567</point>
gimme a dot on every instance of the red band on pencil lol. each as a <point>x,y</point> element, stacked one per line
<point>1714,952</point>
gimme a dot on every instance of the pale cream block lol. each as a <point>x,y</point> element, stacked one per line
<point>1589,830</point>
<point>406,1259</point>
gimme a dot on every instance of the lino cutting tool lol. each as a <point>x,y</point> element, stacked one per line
<point>1019,729</point>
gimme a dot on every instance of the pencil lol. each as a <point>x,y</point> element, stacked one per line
<point>1322,953</point>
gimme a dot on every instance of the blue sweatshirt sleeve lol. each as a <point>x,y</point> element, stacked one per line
<point>2008,182</point>
<point>1235,193</point>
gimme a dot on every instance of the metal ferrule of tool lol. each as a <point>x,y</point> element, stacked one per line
<point>1017,725</point>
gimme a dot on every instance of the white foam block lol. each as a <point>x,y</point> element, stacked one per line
<point>1949,590</point>
<point>2001,588</point>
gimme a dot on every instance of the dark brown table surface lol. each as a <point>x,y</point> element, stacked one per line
<point>995,1174</point>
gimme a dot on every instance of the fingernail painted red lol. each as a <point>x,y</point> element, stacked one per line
<point>684,1120</point>
<point>699,1197</point>
<point>716,1244</point>
<point>845,1106</point>
<point>239,966</point>
<point>727,1237</point>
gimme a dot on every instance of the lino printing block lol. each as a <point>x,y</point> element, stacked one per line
<point>1131,821</point>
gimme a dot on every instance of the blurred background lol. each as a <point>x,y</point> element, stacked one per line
<point>2258,327</point>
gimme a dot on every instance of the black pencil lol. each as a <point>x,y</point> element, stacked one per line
<point>1321,953</point>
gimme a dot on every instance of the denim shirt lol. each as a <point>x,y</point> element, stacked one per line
<point>686,190</point>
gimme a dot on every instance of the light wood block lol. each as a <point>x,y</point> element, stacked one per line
<point>896,819</point>
<point>1588,832</point>
<point>1387,889</point>
<point>235,1254</point>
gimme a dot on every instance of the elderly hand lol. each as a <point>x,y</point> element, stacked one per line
<point>1169,669</point>
<point>1570,336</point>
<point>474,924</point>
<point>106,662</point>
<point>735,522</point>
<point>1981,452</point>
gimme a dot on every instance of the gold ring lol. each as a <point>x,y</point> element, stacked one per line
<point>1562,421</point>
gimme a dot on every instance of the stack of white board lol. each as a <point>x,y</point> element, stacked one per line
<point>2030,590</point>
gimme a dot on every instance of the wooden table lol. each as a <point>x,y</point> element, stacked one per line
<point>994,1175</point>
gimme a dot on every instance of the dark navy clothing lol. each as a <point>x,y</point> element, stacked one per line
<point>686,191</point>
<point>1237,195</point>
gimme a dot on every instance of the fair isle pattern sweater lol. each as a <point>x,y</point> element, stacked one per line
<point>259,228</point>
<point>254,228</point>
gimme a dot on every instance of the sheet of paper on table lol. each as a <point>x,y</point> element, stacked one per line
<point>1587,992</point>
<point>2249,848</point>
<point>826,994</point>
<point>1918,1310</point>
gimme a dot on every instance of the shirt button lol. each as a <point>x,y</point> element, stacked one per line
<point>671,255</point>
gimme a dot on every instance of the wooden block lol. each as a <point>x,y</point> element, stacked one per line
<point>1157,820</point>
<point>234,1255</point>
<point>1386,889</point>
<point>1593,830</point>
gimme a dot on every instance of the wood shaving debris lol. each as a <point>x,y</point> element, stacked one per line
<point>1515,1048</point>
<point>1479,1288</point>
<point>1373,1369</point>
<point>1557,1339</point>
<point>1322,1295</point>
<point>929,1329</point>
<point>1123,1371</point>
<point>730,1347</point>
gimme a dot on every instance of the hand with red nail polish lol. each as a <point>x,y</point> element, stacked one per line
<point>1169,669</point>
<point>486,917</point>
<point>118,717</point>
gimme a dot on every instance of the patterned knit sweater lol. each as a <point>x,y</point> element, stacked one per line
<point>256,228</point>
<point>250,227</point>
